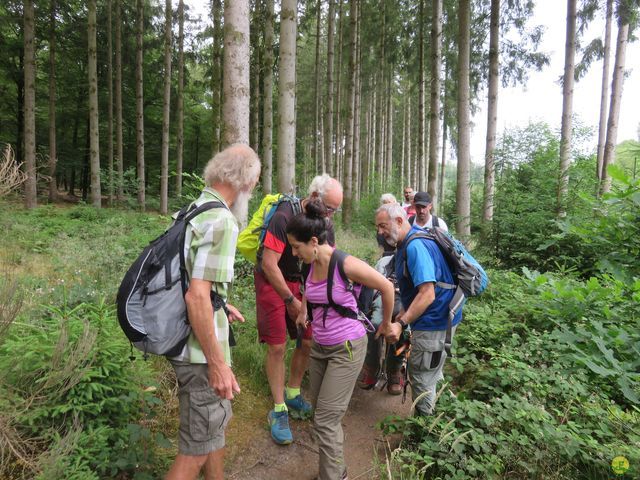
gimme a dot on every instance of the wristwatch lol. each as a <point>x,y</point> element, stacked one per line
<point>289,300</point>
<point>401,321</point>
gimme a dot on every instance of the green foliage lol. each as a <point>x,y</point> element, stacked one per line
<point>546,380</point>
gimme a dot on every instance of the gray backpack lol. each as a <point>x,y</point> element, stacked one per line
<point>151,307</point>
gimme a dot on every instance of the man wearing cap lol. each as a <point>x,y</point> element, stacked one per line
<point>423,217</point>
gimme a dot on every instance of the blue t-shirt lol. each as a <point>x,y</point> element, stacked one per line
<point>425,264</point>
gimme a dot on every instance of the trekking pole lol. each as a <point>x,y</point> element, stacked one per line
<point>382,379</point>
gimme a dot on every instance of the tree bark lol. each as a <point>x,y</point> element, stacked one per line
<point>267,132</point>
<point>348,156</point>
<point>567,107</point>
<point>287,98</point>
<point>166,106</point>
<point>616,94</point>
<point>338,133</point>
<point>357,164</point>
<point>421,174</point>
<point>118,97</point>
<point>110,103</point>
<point>318,156</point>
<point>254,130</point>
<point>216,76</point>
<point>604,90</point>
<point>444,156</point>
<point>463,197</point>
<point>140,106</point>
<point>492,112</point>
<point>389,130</point>
<point>53,186</point>
<point>235,106</point>
<point>94,149</point>
<point>30,185</point>
<point>434,108</point>
<point>180,100</point>
<point>328,122</point>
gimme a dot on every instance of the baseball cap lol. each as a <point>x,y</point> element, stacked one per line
<point>422,198</point>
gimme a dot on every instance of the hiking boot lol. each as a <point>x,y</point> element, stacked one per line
<point>367,378</point>
<point>395,385</point>
<point>279,423</point>
<point>298,407</point>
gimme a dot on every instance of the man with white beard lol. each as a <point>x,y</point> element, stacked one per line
<point>206,383</point>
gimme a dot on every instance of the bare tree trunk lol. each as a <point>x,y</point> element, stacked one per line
<point>492,112</point>
<point>287,97</point>
<point>317,153</point>
<point>463,196</point>
<point>180,100</point>
<point>254,130</point>
<point>389,129</point>
<point>118,96</point>
<point>375,170</point>
<point>216,76</point>
<point>30,185</point>
<point>110,103</point>
<point>444,156</point>
<point>567,108</point>
<point>267,132</point>
<point>53,186</point>
<point>410,171</point>
<point>434,108</point>
<point>96,194</point>
<point>328,123</point>
<point>140,106</point>
<point>338,123</point>
<point>616,93</point>
<point>403,148</point>
<point>348,156</point>
<point>357,164</point>
<point>604,91</point>
<point>166,104</point>
<point>421,173</point>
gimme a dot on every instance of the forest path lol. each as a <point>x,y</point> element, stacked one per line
<point>257,457</point>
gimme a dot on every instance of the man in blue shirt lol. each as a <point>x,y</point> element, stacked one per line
<point>425,300</point>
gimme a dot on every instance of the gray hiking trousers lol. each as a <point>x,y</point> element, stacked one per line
<point>333,371</point>
<point>425,363</point>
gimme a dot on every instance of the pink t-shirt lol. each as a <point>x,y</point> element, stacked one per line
<point>336,328</point>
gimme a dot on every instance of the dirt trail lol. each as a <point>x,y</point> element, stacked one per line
<point>262,459</point>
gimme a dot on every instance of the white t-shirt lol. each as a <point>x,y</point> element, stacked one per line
<point>429,224</point>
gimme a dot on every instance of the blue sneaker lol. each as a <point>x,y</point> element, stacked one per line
<point>298,407</point>
<point>279,423</point>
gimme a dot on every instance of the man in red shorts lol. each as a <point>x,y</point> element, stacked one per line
<point>278,302</point>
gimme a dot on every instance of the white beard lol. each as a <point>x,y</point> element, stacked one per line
<point>240,207</point>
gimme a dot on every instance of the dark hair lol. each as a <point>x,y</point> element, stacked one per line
<point>313,222</point>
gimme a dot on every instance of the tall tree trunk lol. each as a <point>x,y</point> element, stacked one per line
<point>328,122</point>
<point>267,132</point>
<point>140,106</point>
<point>166,106</point>
<point>604,91</point>
<point>463,186</point>
<point>338,123</point>
<point>389,129</point>
<point>410,171</point>
<point>444,156</point>
<point>357,164</point>
<point>216,76</point>
<point>118,96</point>
<point>317,151</point>
<point>434,108</point>
<point>110,102</point>
<point>403,148</point>
<point>567,107</point>
<point>30,188</point>
<point>96,194</point>
<point>375,170</point>
<point>624,15</point>
<point>348,156</point>
<point>180,100</point>
<point>287,97</point>
<point>492,112</point>
<point>421,174</point>
<point>235,107</point>
<point>53,186</point>
<point>254,130</point>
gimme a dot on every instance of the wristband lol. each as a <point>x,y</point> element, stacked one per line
<point>402,322</point>
<point>289,300</point>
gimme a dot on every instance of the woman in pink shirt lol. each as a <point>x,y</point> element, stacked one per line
<point>339,337</point>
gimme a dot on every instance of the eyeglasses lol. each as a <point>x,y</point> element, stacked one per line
<point>332,209</point>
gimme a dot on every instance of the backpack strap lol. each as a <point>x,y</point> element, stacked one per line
<point>436,222</point>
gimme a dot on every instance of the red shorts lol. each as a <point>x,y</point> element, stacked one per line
<point>271,312</point>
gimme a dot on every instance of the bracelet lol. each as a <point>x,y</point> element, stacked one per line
<point>289,300</point>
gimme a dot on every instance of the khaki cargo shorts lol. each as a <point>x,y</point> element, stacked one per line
<point>203,414</point>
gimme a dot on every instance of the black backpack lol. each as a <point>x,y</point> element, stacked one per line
<point>364,300</point>
<point>151,307</point>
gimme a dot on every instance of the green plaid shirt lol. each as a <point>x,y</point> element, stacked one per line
<point>210,248</point>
